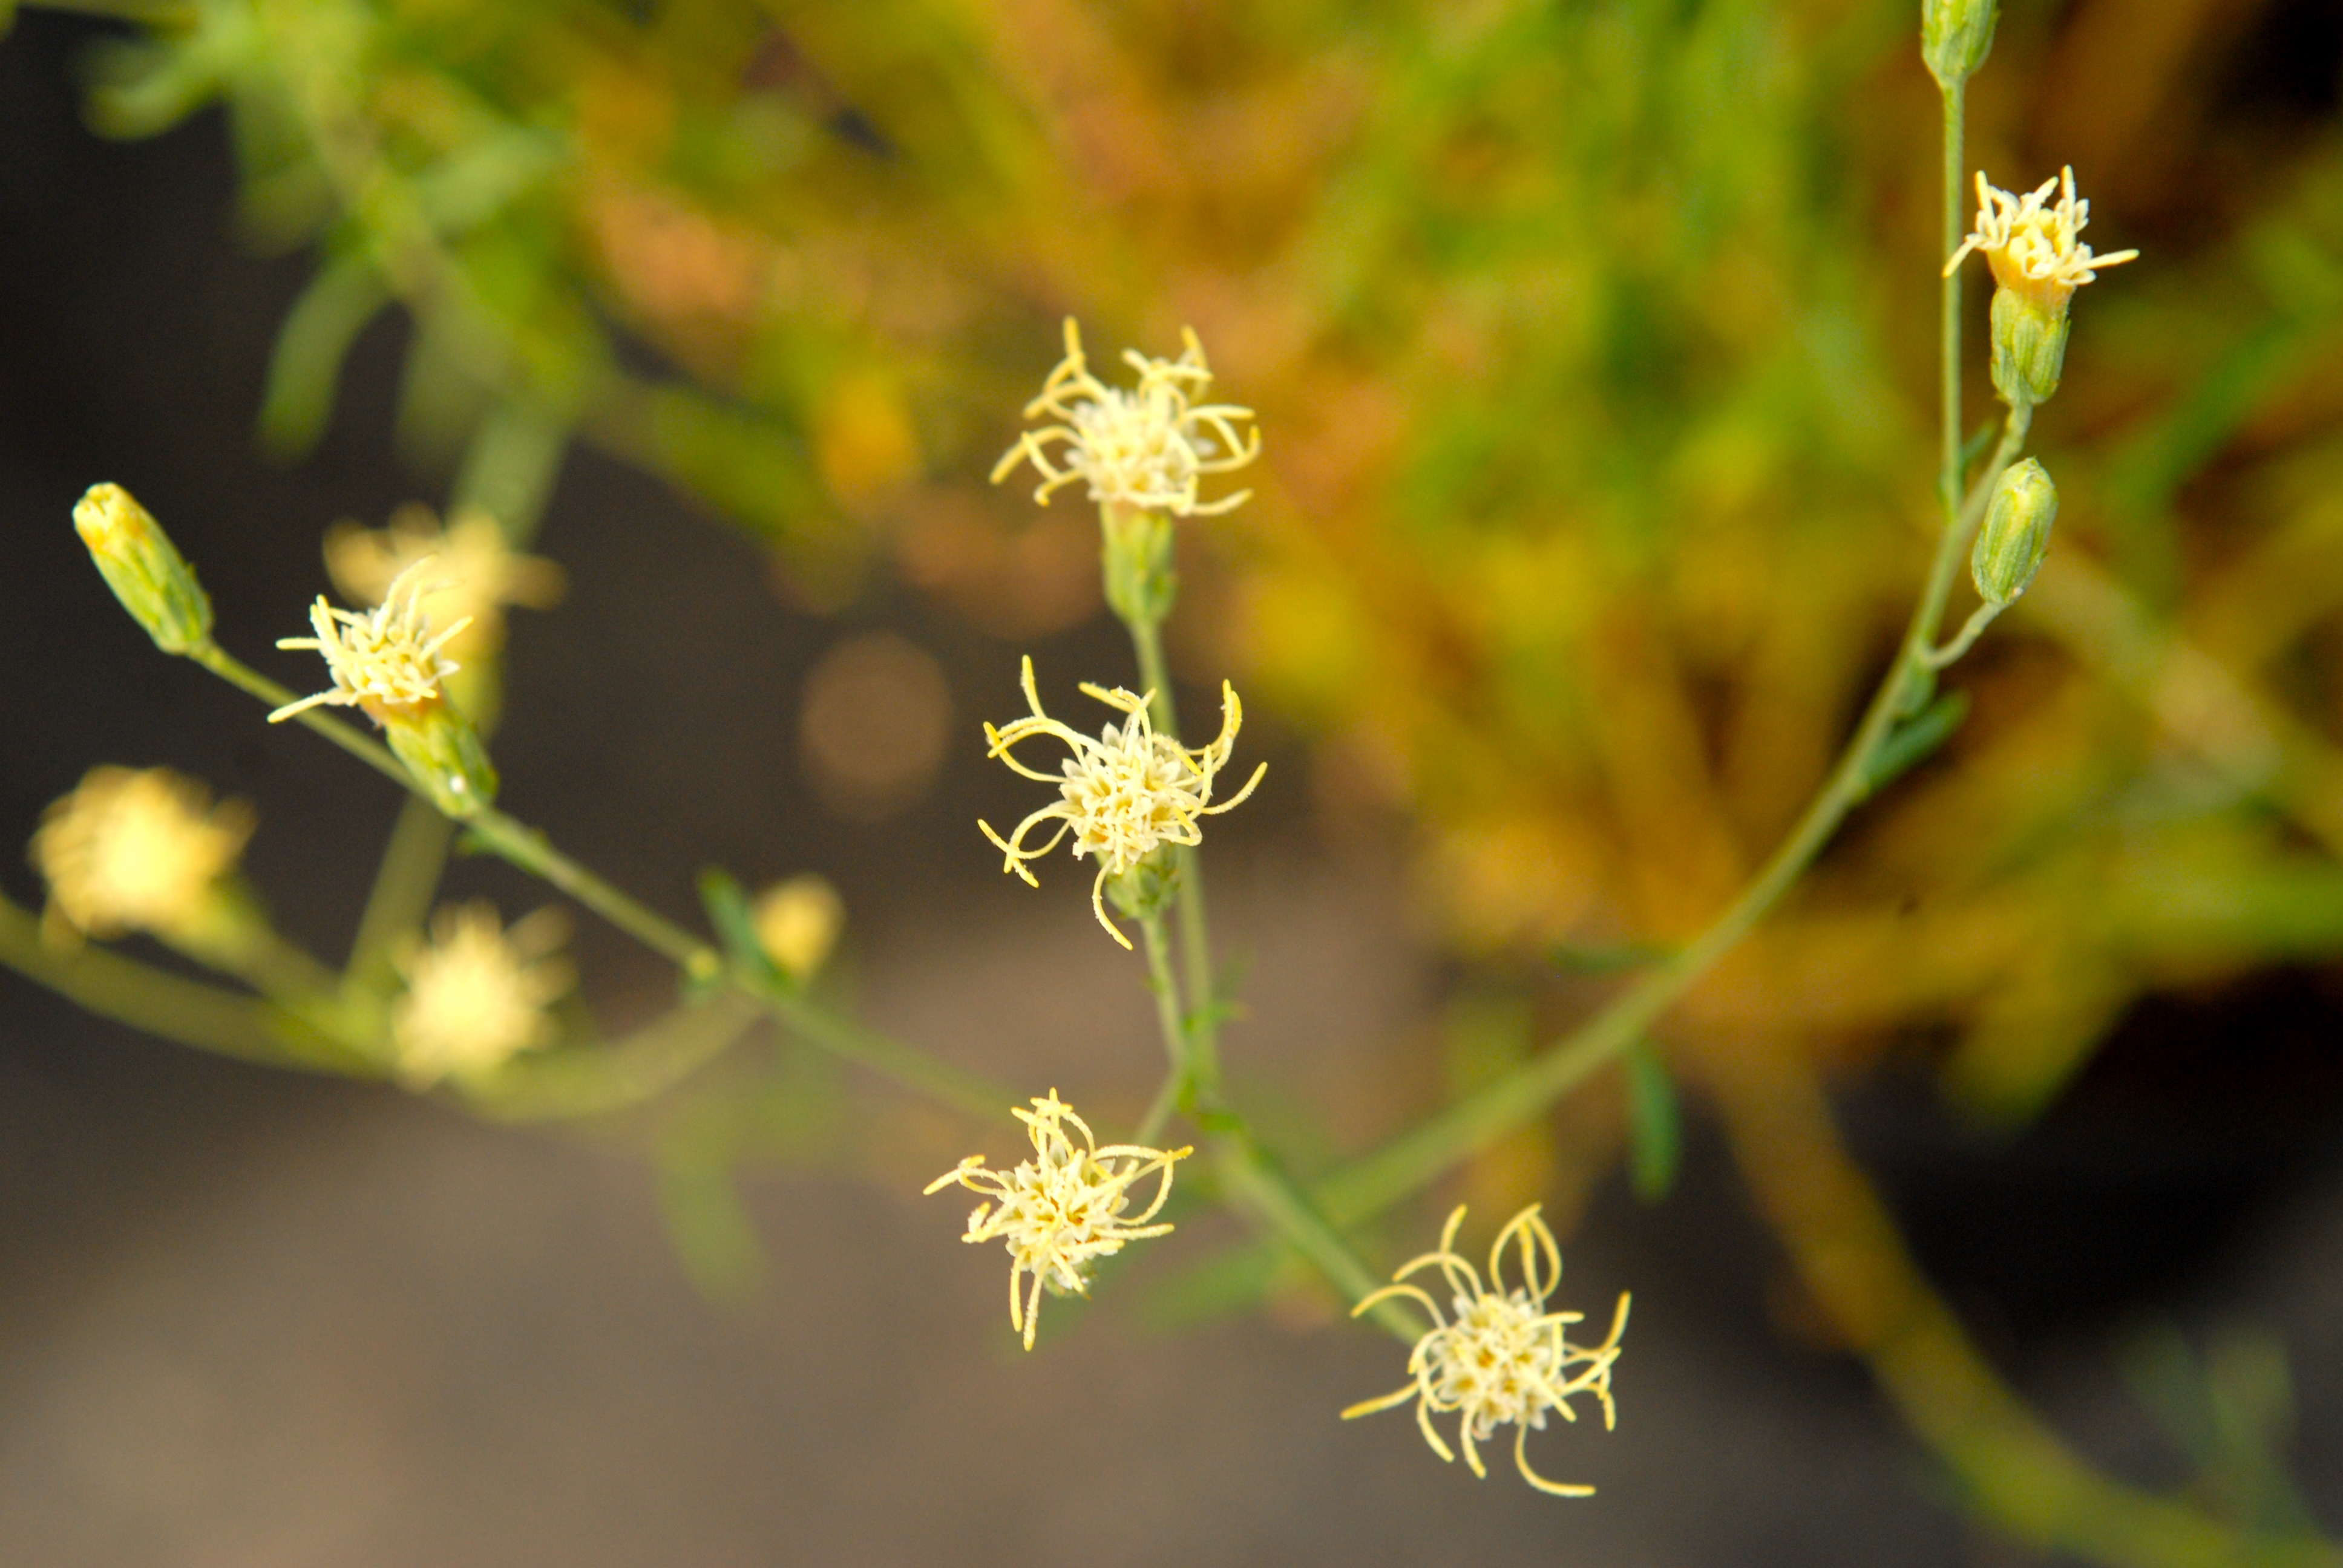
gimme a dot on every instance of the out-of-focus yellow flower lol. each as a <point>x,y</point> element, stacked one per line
<point>1145,448</point>
<point>137,850</point>
<point>798,922</point>
<point>479,575</point>
<point>2033,244</point>
<point>1505,1358</point>
<point>1122,795</point>
<point>476,994</point>
<point>1063,1209</point>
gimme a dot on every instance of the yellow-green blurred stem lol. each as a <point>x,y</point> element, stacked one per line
<point>530,850</point>
<point>1249,1174</point>
<point>1418,1157</point>
<point>188,1011</point>
<point>1195,931</point>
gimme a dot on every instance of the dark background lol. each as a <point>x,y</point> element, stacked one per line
<point>249,1318</point>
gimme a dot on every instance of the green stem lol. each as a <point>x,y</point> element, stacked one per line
<point>1948,345</point>
<point>1247,1170</point>
<point>1165,984</point>
<point>1160,1108</point>
<point>1950,654</point>
<point>884,1055</point>
<point>188,1012</point>
<point>244,946</point>
<point>567,1085</point>
<point>1195,933</point>
<point>245,678</point>
<point>529,848</point>
<point>1418,1157</point>
<point>533,852</point>
<point>401,895</point>
<point>1252,1177</point>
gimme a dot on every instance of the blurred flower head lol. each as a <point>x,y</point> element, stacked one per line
<point>480,572</point>
<point>476,993</point>
<point>2033,244</point>
<point>1122,795</point>
<point>386,659</point>
<point>798,923</point>
<point>1505,1360</point>
<point>1145,448</point>
<point>1064,1208</point>
<point>137,850</point>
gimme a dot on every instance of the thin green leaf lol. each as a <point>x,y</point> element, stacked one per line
<point>1911,742</point>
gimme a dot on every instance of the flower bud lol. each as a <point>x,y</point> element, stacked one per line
<point>796,924</point>
<point>2029,346</point>
<point>2016,533</point>
<point>443,751</point>
<point>1956,36</point>
<point>143,567</point>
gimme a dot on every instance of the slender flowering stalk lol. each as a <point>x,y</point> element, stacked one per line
<point>477,994</point>
<point>2033,244</point>
<point>1145,448</point>
<point>1063,1209</point>
<point>1122,795</point>
<point>1504,1359</point>
<point>384,659</point>
<point>137,850</point>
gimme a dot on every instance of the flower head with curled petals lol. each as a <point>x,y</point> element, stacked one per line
<point>2033,244</point>
<point>1504,1359</point>
<point>1064,1208</point>
<point>137,850</point>
<point>385,660</point>
<point>1121,795</point>
<point>1146,448</point>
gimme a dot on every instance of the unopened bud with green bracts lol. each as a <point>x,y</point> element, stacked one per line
<point>143,569</point>
<point>2016,533</point>
<point>443,750</point>
<point>1136,554</point>
<point>2029,347</point>
<point>1147,889</point>
<point>1956,36</point>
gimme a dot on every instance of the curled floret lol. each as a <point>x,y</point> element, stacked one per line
<point>1503,1359</point>
<point>1121,795</point>
<point>1063,1209</point>
<point>1146,448</point>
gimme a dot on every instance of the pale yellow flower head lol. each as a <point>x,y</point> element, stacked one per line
<point>1121,795</point>
<point>137,850</point>
<point>1146,448</point>
<point>479,573</point>
<point>798,922</point>
<point>1504,1359</point>
<point>1063,1209</point>
<point>2034,244</point>
<point>476,993</point>
<point>385,661</point>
